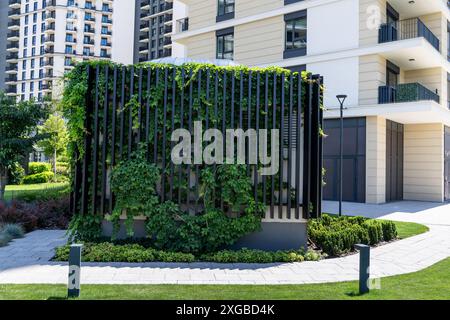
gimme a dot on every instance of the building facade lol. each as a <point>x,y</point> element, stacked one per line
<point>47,37</point>
<point>154,26</point>
<point>4,7</point>
<point>389,57</point>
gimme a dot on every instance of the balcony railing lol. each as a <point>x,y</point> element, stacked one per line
<point>183,25</point>
<point>407,29</point>
<point>407,92</point>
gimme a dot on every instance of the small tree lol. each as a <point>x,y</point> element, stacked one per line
<point>18,127</point>
<point>56,143</point>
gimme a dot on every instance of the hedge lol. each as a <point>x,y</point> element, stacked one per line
<point>42,177</point>
<point>38,167</point>
<point>138,253</point>
<point>338,235</point>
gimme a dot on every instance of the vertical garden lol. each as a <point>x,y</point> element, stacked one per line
<point>120,123</point>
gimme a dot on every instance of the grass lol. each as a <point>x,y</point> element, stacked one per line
<point>409,229</point>
<point>18,191</point>
<point>432,283</point>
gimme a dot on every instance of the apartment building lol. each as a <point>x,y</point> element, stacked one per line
<point>3,26</point>
<point>154,26</point>
<point>390,57</point>
<point>46,38</point>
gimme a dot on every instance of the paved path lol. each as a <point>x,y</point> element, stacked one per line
<point>26,260</point>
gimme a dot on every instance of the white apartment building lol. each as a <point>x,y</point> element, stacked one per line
<point>390,57</point>
<point>46,37</point>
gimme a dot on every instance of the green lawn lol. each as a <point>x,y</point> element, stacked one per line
<point>429,284</point>
<point>14,191</point>
<point>409,229</point>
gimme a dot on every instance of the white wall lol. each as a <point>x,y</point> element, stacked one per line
<point>333,27</point>
<point>180,11</point>
<point>340,77</point>
<point>123,31</point>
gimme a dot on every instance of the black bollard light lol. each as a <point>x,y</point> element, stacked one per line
<point>73,288</point>
<point>364,267</point>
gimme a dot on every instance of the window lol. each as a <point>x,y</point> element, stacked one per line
<point>225,10</point>
<point>225,44</point>
<point>296,34</point>
<point>291,1</point>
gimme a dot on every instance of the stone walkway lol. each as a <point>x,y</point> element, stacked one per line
<point>26,260</point>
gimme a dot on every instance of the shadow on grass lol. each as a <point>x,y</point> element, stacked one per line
<point>58,298</point>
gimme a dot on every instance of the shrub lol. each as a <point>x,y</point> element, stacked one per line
<point>38,167</point>
<point>62,168</point>
<point>14,230</point>
<point>134,252</point>
<point>338,235</point>
<point>389,230</point>
<point>16,174</point>
<point>43,177</point>
<point>51,214</point>
<point>4,239</point>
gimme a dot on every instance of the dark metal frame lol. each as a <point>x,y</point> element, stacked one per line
<point>110,138</point>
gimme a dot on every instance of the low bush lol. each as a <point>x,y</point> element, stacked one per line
<point>14,230</point>
<point>43,177</point>
<point>50,214</point>
<point>38,167</point>
<point>112,252</point>
<point>62,168</point>
<point>4,239</point>
<point>338,235</point>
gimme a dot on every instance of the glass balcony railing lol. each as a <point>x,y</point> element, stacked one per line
<point>407,92</point>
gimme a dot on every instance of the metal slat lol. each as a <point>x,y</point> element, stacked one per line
<point>95,155</point>
<point>281,175</point>
<point>298,150</point>
<point>113,132</point>
<point>274,126</point>
<point>289,169</point>
<point>130,115</point>
<point>163,152</point>
<point>104,142</point>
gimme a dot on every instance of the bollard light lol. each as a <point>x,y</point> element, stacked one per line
<point>73,288</point>
<point>364,267</point>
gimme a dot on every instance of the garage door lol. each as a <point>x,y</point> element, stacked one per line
<point>354,163</point>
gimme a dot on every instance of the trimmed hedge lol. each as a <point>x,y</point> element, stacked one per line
<point>38,167</point>
<point>338,235</point>
<point>110,252</point>
<point>43,177</point>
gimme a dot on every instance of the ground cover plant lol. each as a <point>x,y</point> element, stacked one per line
<point>9,232</point>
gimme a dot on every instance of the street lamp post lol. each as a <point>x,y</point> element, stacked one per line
<point>341,98</point>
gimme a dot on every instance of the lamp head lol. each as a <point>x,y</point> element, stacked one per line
<point>341,98</point>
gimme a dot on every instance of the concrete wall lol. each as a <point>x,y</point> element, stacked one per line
<point>202,46</point>
<point>371,14</point>
<point>245,8</point>
<point>424,162</point>
<point>253,39</point>
<point>122,30</point>
<point>372,74</point>
<point>433,79</point>
<point>202,13</point>
<point>375,160</point>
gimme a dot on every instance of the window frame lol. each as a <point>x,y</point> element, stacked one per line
<point>294,52</point>
<point>222,16</point>
<point>222,34</point>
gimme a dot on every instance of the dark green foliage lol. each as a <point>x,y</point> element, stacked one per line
<point>15,174</point>
<point>177,231</point>
<point>39,167</point>
<point>134,252</point>
<point>338,235</point>
<point>43,177</point>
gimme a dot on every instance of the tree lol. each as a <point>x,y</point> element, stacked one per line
<point>18,132</point>
<point>56,143</point>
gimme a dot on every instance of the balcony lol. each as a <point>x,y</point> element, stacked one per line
<point>407,29</point>
<point>183,25</point>
<point>407,92</point>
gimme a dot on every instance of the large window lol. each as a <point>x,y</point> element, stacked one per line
<point>296,34</point>
<point>225,44</point>
<point>225,10</point>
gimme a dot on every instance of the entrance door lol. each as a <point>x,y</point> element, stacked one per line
<point>354,164</point>
<point>447,164</point>
<point>394,161</point>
